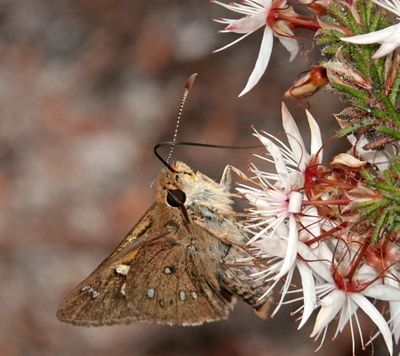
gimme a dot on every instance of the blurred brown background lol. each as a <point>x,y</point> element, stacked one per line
<point>87,88</point>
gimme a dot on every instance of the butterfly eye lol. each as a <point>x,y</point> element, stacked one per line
<point>176,198</point>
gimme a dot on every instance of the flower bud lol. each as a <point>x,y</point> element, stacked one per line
<point>308,84</point>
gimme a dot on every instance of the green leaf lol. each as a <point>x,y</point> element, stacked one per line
<point>389,131</point>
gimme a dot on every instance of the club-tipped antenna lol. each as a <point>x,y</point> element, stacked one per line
<point>188,86</point>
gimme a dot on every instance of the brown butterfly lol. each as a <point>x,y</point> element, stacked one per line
<point>178,265</point>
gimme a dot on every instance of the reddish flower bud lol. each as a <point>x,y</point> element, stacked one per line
<point>308,84</point>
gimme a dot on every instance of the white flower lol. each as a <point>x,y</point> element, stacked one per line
<point>341,292</point>
<point>257,15</point>
<point>279,219</point>
<point>389,37</point>
<point>344,303</point>
<point>280,195</point>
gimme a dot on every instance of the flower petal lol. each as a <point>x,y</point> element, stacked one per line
<point>315,262</point>
<point>272,246</point>
<point>232,43</point>
<point>372,37</point>
<point>291,46</point>
<point>294,137</point>
<point>391,5</point>
<point>348,160</point>
<point>316,138</point>
<point>376,317</point>
<point>309,295</point>
<point>330,306</point>
<point>276,154</point>
<point>348,310</point>
<point>383,292</point>
<point>291,251</point>
<point>386,48</point>
<point>247,24</point>
<point>262,61</point>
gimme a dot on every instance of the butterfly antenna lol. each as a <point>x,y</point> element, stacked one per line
<point>188,86</point>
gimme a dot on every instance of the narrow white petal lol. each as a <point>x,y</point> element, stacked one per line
<point>262,60</point>
<point>308,286</point>
<point>372,37</point>
<point>319,267</point>
<point>330,306</point>
<point>391,5</point>
<point>232,43</point>
<point>294,137</point>
<point>316,137</point>
<point>291,46</point>
<point>346,313</point>
<point>386,48</point>
<point>239,8</point>
<point>248,23</point>
<point>383,292</point>
<point>291,251</point>
<point>376,317</point>
<point>276,154</point>
<point>284,291</point>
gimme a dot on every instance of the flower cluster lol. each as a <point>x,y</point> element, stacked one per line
<point>302,220</point>
<point>336,224</point>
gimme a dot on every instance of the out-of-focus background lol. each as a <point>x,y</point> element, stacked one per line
<point>87,88</point>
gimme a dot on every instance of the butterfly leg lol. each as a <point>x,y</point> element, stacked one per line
<point>226,179</point>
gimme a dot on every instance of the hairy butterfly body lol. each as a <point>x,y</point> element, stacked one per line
<point>177,265</point>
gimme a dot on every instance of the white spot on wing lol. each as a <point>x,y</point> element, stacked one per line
<point>122,269</point>
<point>91,291</point>
<point>123,289</point>
<point>150,293</point>
<point>182,295</point>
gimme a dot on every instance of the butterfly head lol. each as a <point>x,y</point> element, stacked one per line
<point>174,183</point>
<point>181,186</point>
